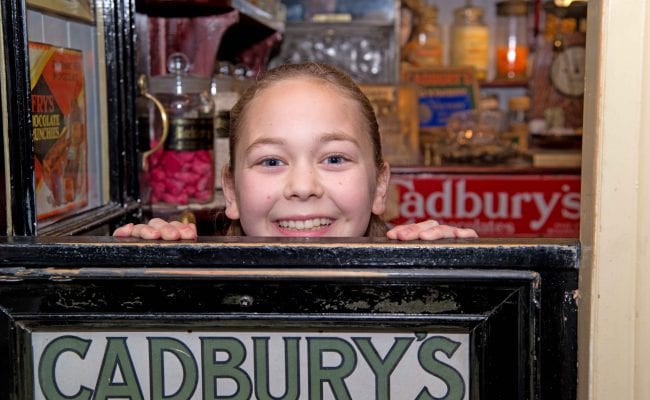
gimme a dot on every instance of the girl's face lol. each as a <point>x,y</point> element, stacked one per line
<point>304,165</point>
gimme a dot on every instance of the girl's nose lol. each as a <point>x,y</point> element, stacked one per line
<point>303,183</point>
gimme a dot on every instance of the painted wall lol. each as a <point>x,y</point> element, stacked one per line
<point>614,307</point>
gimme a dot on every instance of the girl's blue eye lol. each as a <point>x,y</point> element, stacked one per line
<point>271,162</point>
<point>335,159</point>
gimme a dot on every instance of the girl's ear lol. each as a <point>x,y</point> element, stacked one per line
<point>228,184</point>
<point>381,191</point>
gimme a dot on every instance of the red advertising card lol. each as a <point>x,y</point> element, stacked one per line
<point>493,205</point>
<point>58,129</point>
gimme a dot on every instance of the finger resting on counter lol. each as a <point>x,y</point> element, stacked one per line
<point>123,231</point>
<point>157,223</point>
<point>145,232</point>
<point>404,232</point>
<point>170,232</point>
<point>186,230</point>
<point>428,224</point>
<point>434,234</point>
<point>466,233</point>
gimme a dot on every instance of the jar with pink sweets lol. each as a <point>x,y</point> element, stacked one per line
<point>180,163</point>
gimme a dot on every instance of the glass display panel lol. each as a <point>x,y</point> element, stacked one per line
<point>65,43</point>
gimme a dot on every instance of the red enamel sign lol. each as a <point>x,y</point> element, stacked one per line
<point>494,205</point>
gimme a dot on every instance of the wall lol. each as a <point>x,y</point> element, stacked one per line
<point>614,308</point>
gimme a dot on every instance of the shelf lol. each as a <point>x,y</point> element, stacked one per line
<point>228,30</point>
<point>521,169</point>
<point>360,23</point>
<point>250,13</point>
<point>504,83</point>
<point>263,17</point>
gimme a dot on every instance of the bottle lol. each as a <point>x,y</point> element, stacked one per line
<point>225,91</point>
<point>424,49</point>
<point>518,107</point>
<point>182,170</point>
<point>511,39</point>
<point>469,39</point>
<point>244,77</point>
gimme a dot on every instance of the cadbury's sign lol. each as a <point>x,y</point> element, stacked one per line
<point>494,205</point>
<point>250,365</point>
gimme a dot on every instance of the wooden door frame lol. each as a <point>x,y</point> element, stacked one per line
<point>614,304</point>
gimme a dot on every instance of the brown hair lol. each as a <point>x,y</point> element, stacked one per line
<point>328,75</point>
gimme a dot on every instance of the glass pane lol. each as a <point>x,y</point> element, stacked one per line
<point>68,114</point>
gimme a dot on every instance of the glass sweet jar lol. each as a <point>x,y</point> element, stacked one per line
<point>511,39</point>
<point>424,49</point>
<point>175,115</point>
<point>475,137</point>
<point>469,39</point>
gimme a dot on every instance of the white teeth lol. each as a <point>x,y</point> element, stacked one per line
<point>305,224</point>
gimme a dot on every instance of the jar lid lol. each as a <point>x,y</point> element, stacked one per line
<point>178,80</point>
<point>512,7</point>
<point>428,11</point>
<point>519,103</point>
<point>489,102</point>
<point>469,13</point>
<point>575,10</point>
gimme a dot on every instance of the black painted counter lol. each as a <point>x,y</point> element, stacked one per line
<point>518,297</point>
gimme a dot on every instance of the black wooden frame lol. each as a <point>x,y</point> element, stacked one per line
<point>515,298</point>
<point>119,28</point>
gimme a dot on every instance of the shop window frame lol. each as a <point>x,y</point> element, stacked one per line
<point>122,203</point>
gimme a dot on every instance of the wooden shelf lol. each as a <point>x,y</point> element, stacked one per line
<point>196,8</point>
<point>520,169</point>
<point>504,83</point>
<point>228,30</point>
<point>250,13</point>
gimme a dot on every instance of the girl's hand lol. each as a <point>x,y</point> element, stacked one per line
<point>429,230</point>
<point>158,229</point>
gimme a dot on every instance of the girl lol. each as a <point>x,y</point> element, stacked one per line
<point>305,161</point>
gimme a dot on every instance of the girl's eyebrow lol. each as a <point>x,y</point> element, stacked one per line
<point>264,141</point>
<point>325,138</point>
<point>339,136</point>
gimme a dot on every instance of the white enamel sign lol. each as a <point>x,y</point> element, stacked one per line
<point>250,365</point>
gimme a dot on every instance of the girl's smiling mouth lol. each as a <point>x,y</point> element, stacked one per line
<point>304,224</point>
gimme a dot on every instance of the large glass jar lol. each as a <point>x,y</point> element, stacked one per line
<point>424,49</point>
<point>469,39</point>
<point>180,163</point>
<point>511,39</point>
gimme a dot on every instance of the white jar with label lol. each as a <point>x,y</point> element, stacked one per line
<point>469,40</point>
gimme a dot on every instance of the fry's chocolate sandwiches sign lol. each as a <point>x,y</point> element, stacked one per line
<point>250,365</point>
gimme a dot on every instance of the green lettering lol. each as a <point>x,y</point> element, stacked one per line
<point>47,367</point>
<point>382,368</point>
<point>117,356</point>
<point>291,369</point>
<point>230,369</point>
<point>450,376</point>
<point>158,346</point>
<point>319,374</point>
